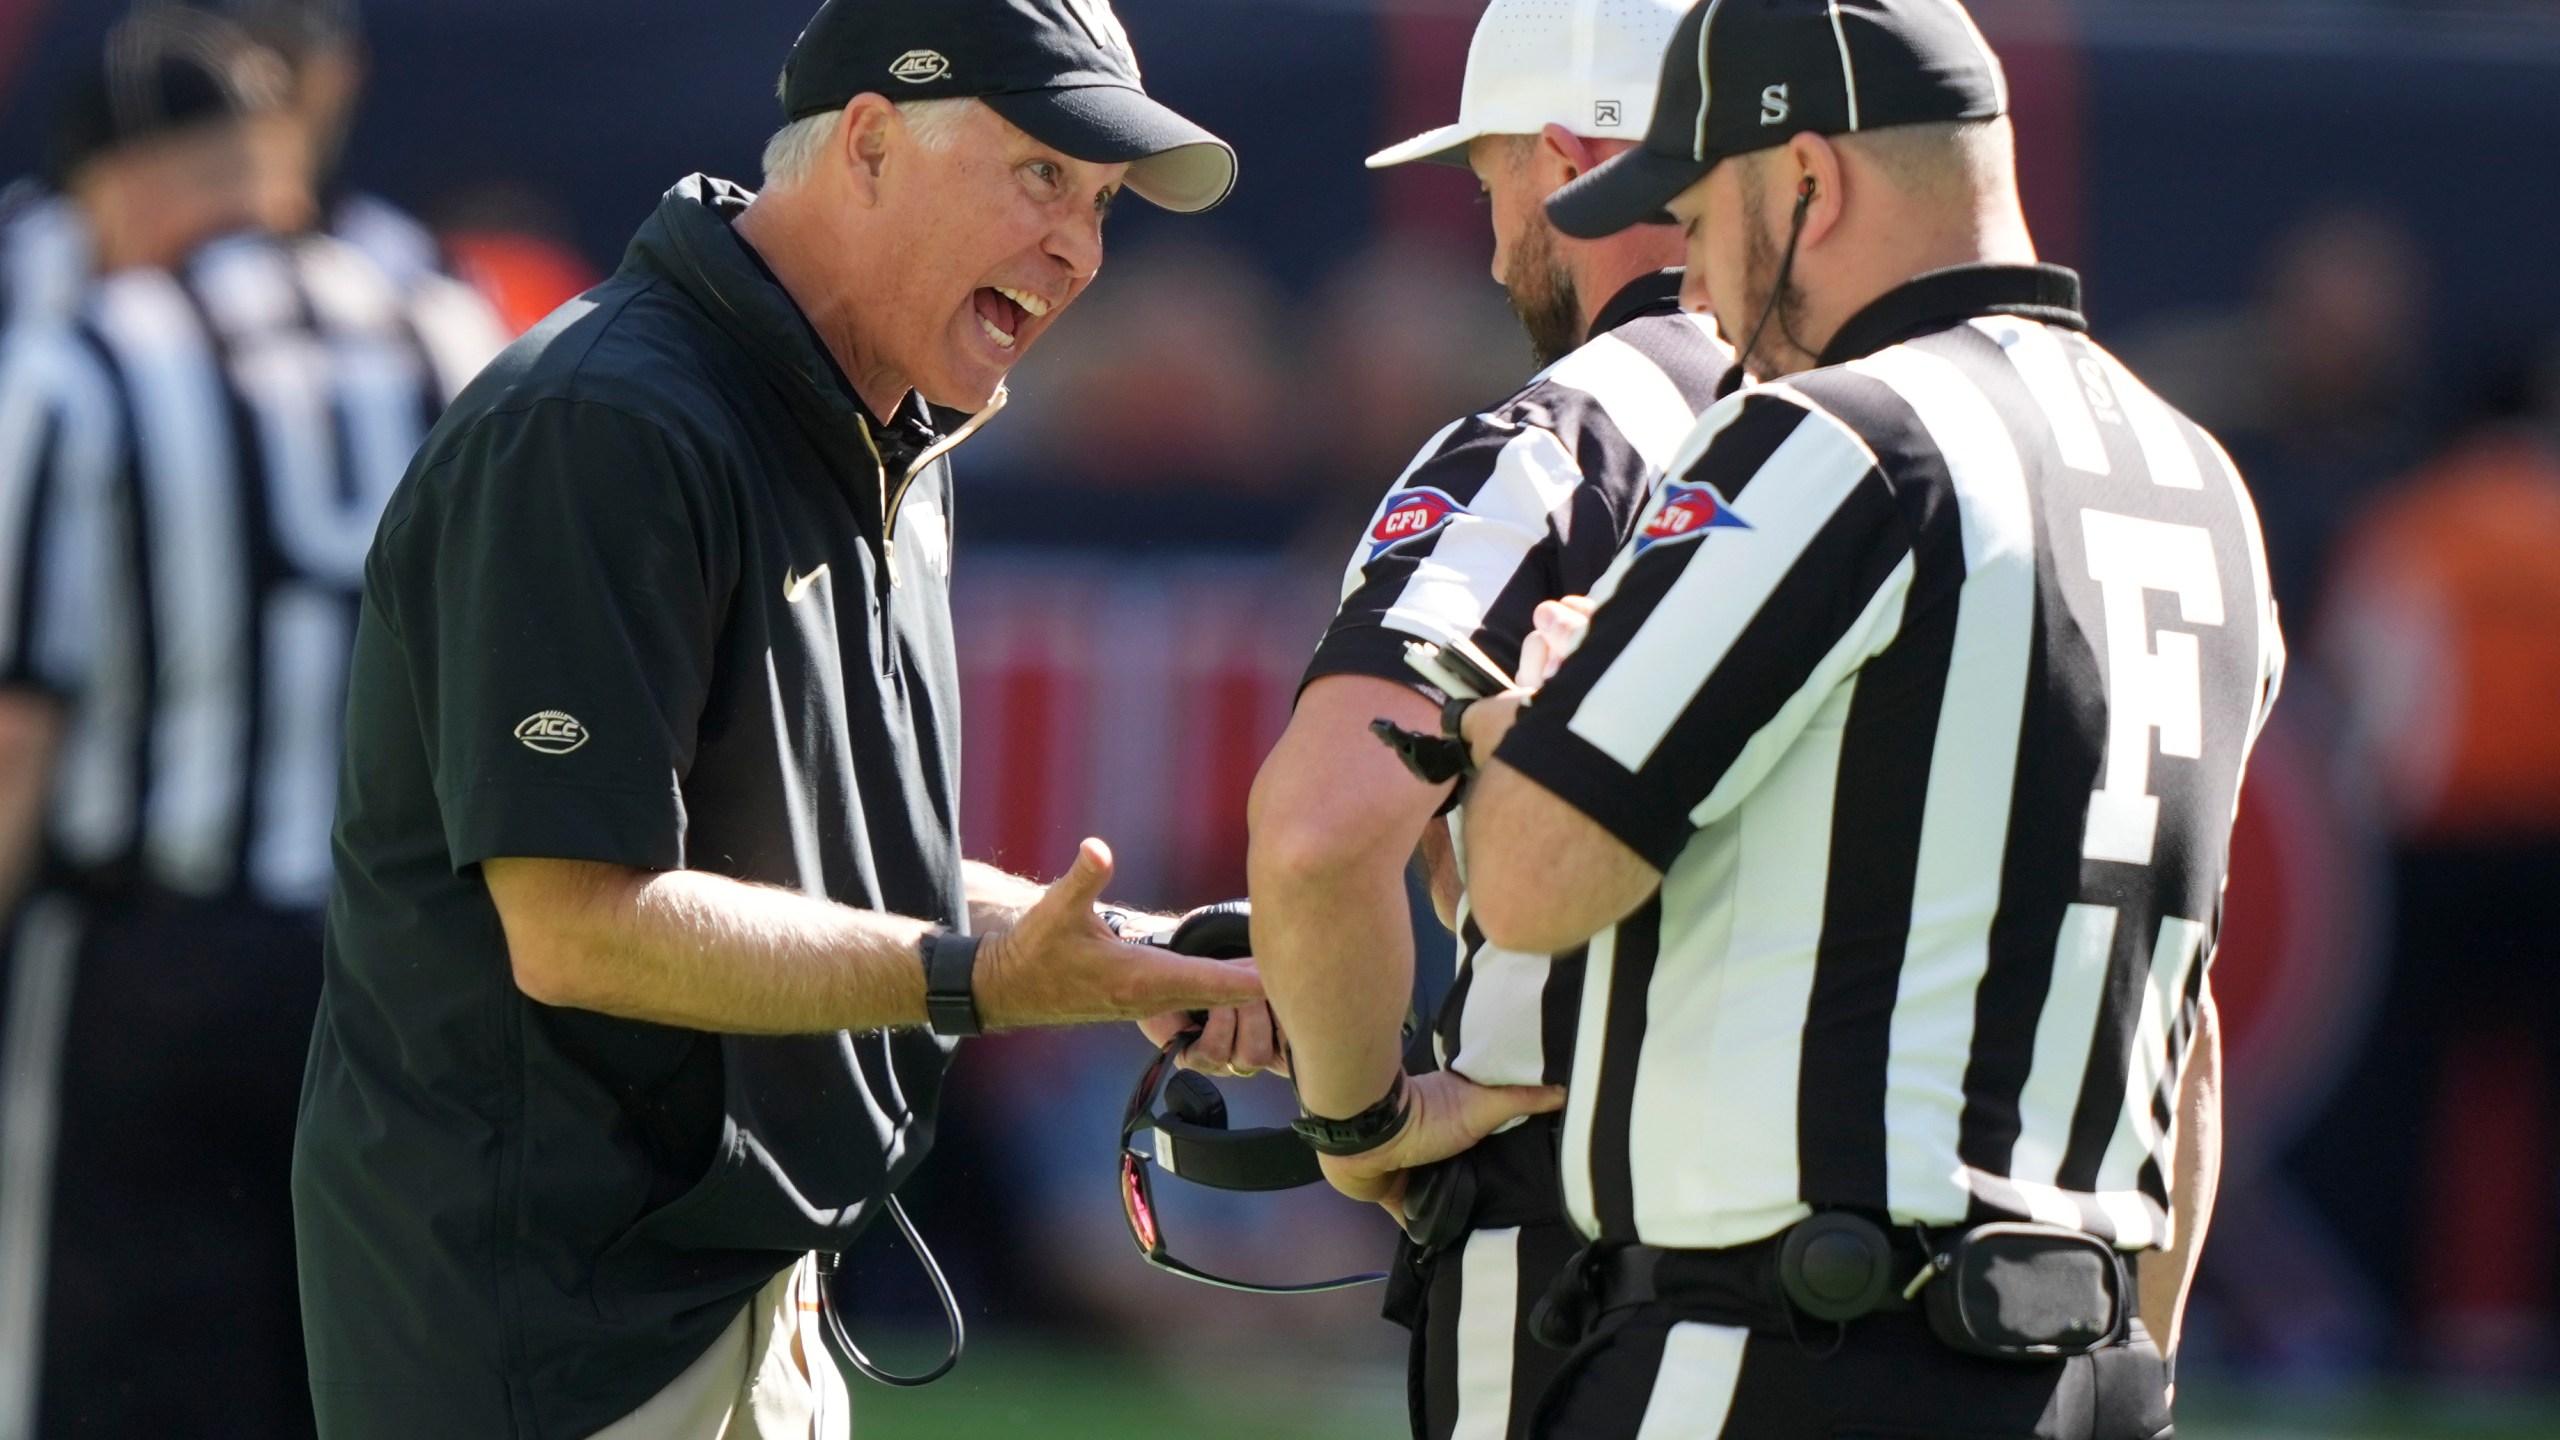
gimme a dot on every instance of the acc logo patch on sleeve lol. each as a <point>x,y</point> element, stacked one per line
<point>551,732</point>
<point>1411,515</point>
<point>1686,513</point>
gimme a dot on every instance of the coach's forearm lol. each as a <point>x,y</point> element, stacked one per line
<point>2167,1275</point>
<point>704,952</point>
<point>997,898</point>
<point>1335,818</point>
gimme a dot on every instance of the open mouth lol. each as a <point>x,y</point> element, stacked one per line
<point>1003,312</point>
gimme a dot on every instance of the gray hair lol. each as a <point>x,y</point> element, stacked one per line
<point>793,152</point>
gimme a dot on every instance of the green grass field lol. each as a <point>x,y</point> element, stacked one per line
<point>1009,1390</point>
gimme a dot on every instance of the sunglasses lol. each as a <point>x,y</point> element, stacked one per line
<point>1188,1120</point>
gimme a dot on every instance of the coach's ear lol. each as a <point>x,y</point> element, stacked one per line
<point>863,142</point>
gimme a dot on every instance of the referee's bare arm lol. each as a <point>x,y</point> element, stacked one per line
<point>1334,819</point>
<point>1543,876</point>
<point>2166,1275</point>
<point>706,952</point>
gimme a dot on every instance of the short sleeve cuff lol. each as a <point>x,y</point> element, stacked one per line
<point>1589,781</point>
<point>636,829</point>
<point>1376,651</point>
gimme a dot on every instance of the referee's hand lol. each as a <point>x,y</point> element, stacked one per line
<point>1059,965</point>
<point>1450,1113</point>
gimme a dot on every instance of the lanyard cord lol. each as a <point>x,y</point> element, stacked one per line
<point>941,1291</point>
<point>1778,291</point>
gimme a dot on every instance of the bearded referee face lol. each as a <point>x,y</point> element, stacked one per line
<point>1532,260</point>
<point>932,245</point>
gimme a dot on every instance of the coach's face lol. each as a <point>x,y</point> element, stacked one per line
<point>985,235</point>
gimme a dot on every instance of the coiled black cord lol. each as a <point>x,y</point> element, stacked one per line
<point>941,1289</point>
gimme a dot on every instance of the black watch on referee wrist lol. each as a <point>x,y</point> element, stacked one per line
<point>1361,1133</point>
<point>950,975</point>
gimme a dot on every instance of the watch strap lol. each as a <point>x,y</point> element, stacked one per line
<point>950,994</point>
<point>1453,722</point>
<point>1361,1133</point>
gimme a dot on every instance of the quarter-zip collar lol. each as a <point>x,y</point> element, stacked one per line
<point>690,243</point>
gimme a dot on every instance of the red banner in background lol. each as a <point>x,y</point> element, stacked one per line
<point>1132,704</point>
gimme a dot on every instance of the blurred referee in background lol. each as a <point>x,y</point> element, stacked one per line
<point>48,253</point>
<point>1524,503</point>
<point>1891,790</point>
<point>190,473</point>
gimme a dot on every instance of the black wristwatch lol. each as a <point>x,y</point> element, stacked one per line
<point>1361,1133</point>
<point>950,971</point>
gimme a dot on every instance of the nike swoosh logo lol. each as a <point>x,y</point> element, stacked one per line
<point>795,588</point>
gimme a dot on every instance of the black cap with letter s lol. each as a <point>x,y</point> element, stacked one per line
<point>1062,71</point>
<point>1746,75</point>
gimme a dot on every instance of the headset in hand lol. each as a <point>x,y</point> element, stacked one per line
<point>1187,1119</point>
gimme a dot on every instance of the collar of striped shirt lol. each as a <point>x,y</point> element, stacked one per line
<point>1658,291</point>
<point>1958,293</point>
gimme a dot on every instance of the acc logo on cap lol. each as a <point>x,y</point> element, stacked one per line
<point>1412,515</point>
<point>918,66</point>
<point>552,732</point>
<point>1687,512</point>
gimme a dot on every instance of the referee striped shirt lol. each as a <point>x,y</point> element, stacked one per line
<point>1523,503</point>
<point>1928,682</point>
<point>44,256</point>
<point>190,477</point>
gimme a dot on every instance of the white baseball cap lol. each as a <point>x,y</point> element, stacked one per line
<point>1591,66</point>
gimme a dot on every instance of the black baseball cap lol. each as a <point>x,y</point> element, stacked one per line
<point>161,72</point>
<point>1745,75</point>
<point>1060,70</point>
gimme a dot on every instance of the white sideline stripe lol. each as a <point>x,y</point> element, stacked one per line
<point>1488,1313</point>
<point>30,1109</point>
<point>1693,1391</point>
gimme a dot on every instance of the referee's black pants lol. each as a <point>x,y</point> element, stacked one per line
<point>176,1034</point>
<point>1647,1373</point>
<point>1473,1371</point>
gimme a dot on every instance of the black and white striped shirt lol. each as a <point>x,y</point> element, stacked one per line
<point>1524,503</point>
<point>1928,683</point>
<point>44,256</point>
<point>190,477</point>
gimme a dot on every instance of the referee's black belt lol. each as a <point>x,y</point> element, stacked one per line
<point>2007,1289</point>
<point>1737,1286</point>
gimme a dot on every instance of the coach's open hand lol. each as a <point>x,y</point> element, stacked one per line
<point>1450,1113</point>
<point>1058,965</point>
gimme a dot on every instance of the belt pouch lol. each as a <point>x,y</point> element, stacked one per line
<point>1440,1203</point>
<point>2027,1292</point>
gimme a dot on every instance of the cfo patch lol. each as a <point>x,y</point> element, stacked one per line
<point>1686,513</point>
<point>1411,515</point>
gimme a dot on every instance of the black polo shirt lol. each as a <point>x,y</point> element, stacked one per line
<point>657,592</point>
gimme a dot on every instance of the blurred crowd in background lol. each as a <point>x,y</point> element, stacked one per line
<point>2319,226</point>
